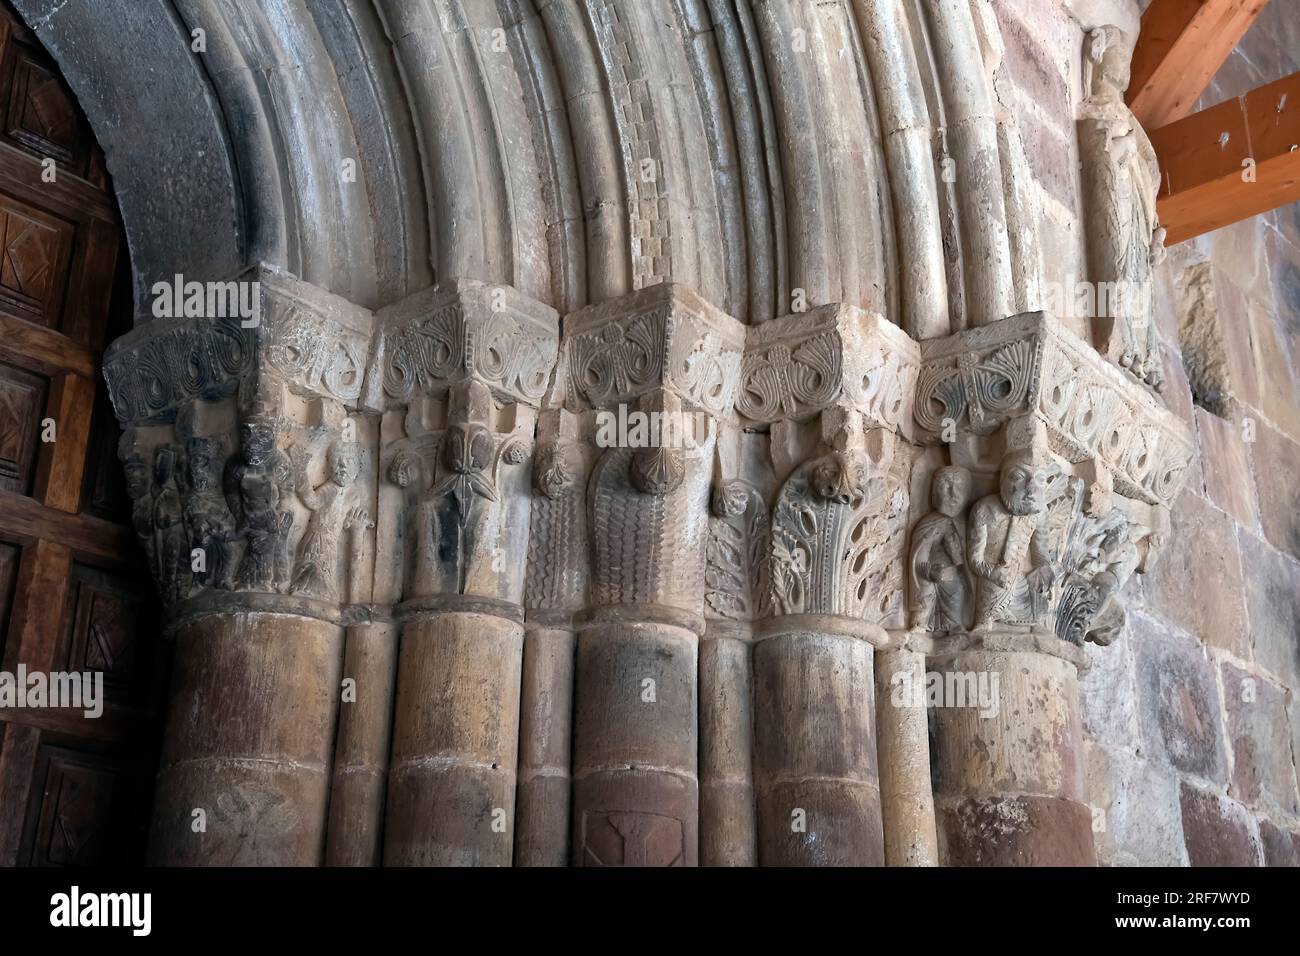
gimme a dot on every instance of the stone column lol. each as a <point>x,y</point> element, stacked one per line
<point>357,795</point>
<point>249,462</point>
<point>463,368</point>
<point>556,589</point>
<point>1009,781</point>
<point>1072,464</point>
<point>834,386</point>
<point>659,358</point>
<point>903,748</point>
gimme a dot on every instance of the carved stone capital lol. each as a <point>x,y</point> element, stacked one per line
<point>664,336</point>
<point>315,342</point>
<point>979,379</point>
<point>248,466</point>
<point>796,366</point>
<point>461,330</point>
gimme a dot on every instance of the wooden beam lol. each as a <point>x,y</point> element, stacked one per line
<point>1231,161</point>
<point>1181,46</point>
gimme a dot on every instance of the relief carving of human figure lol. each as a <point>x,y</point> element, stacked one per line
<point>1123,178</point>
<point>207,516</point>
<point>258,490</point>
<point>169,528</point>
<point>1008,548</point>
<point>941,584</point>
<point>1112,562</point>
<point>332,514</point>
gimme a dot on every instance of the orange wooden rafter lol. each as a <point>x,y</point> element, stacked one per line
<point>1181,46</point>
<point>1231,161</point>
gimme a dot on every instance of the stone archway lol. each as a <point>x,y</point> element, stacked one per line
<point>477,227</point>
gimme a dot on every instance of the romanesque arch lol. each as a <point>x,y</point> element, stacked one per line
<point>478,227</point>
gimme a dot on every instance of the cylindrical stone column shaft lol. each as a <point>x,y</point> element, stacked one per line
<point>635,782</point>
<point>727,823</point>
<point>451,785</point>
<point>815,749</point>
<point>356,816</point>
<point>1009,775</point>
<point>245,770</point>
<point>903,749</point>
<point>545,748</point>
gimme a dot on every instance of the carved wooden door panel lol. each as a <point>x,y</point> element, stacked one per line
<point>74,595</point>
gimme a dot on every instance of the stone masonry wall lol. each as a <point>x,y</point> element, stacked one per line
<point>1193,717</point>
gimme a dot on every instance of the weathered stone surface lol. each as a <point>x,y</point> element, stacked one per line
<point>545,748</point>
<point>1109,689</point>
<point>1216,830</point>
<point>1226,467</point>
<point>1281,847</point>
<point>1145,817</point>
<point>1200,588</point>
<point>1271,589</point>
<point>1277,461</point>
<point>1016,831</point>
<point>248,742</point>
<point>1178,702</point>
<point>451,789</point>
<point>356,822</point>
<point>815,762</point>
<point>1263,773</point>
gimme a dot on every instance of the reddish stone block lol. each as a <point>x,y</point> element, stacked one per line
<point>1216,830</point>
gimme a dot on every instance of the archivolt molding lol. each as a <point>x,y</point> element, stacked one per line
<point>764,155</point>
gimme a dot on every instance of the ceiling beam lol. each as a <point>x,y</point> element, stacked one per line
<point>1231,161</point>
<point>1180,47</point>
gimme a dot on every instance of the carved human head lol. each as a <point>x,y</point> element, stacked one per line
<point>950,490</point>
<point>257,437</point>
<point>839,477</point>
<point>1109,57</point>
<point>1024,483</point>
<point>344,462</point>
<point>730,498</point>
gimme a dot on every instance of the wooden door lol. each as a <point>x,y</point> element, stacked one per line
<point>74,596</point>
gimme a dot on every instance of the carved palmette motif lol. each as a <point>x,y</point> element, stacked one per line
<point>838,534</point>
<point>737,554</point>
<point>980,379</point>
<point>454,341</point>
<point>150,375</point>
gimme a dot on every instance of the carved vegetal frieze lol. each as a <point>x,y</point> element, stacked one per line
<point>155,369</point>
<point>315,342</point>
<point>797,366</point>
<point>736,585</point>
<point>464,330</point>
<point>319,342</point>
<point>665,337</point>
<point>839,530</point>
<point>979,379</point>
